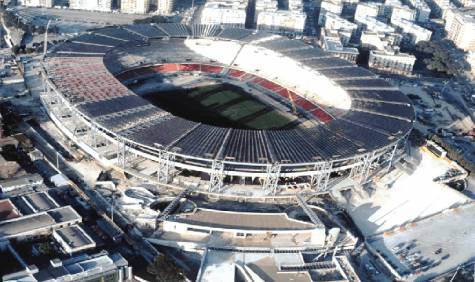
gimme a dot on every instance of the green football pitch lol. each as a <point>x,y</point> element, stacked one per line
<point>223,105</point>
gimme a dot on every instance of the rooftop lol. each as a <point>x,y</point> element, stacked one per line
<point>266,266</point>
<point>391,53</point>
<point>20,181</point>
<point>242,220</point>
<point>8,210</point>
<point>73,238</point>
<point>412,250</point>
<point>267,270</point>
<point>38,222</point>
<point>40,201</point>
<point>75,268</point>
<point>406,194</point>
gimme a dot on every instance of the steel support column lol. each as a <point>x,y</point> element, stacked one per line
<point>319,181</point>
<point>391,157</point>
<point>164,166</point>
<point>367,166</point>
<point>216,176</point>
<point>93,131</point>
<point>272,179</point>
<point>121,152</point>
<point>359,172</point>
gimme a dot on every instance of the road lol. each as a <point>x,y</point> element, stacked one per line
<point>41,16</point>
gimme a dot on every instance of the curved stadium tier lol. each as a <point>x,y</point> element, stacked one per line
<point>223,104</point>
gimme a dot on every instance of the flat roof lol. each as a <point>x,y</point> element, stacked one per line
<point>18,226</point>
<point>36,222</point>
<point>8,210</point>
<point>216,264</point>
<point>24,180</point>
<point>64,214</point>
<point>40,201</point>
<point>453,231</point>
<point>82,267</point>
<point>75,237</point>
<point>267,269</point>
<point>242,220</point>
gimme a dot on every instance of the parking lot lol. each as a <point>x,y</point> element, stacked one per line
<point>433,246</point>
<point>73,21</point>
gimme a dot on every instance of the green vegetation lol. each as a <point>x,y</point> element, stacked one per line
<point>241,110</point>
<point>453,154</point>
<point>205,89</point>
<point>264,120</point>
<point>442,56</point>
<point>165,270</point>
<point>154,19</point>
<point>218,99</point>
<point>222,105</point>
<point>417,138</point>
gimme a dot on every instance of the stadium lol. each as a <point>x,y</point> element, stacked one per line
<point>223,106</point>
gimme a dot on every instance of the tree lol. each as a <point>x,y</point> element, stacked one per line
<point>454,154</point>
<point>417,138</point>
<point>154,19</point>
<point>442,56</point>
<point>15,49</point>
<point>165,270</point>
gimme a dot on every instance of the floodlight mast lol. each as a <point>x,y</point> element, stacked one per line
<point>45,45</point>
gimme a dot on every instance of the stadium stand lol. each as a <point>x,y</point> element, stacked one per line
<point>327,63</point>
<point>364,137</point>
<point>290,148</point>
<point>97,39</point>
<point>205,30</point>
<point>161,131</point>
<point>282,44</point>
<point>119,33</point>
<point>256,36</point>
<point>347,73</point>
<point>234,33</point>
<point>205,141</point>
<point>385,123</point>
<point>146,30</point>
<point>356,113</point>
<point>175,30</point>
<point>96,109</point>
<point>76,48</point>
<point>246,146</point>
<point>332,144</point>
<point>129,118</point>
<point>365,84</point>
<point>388,96</point>
<point>395,110</point>
<point>305,53</point>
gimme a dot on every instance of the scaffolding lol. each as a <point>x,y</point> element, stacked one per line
<point>319,180</point>
<point>216,176</point>
<point>272,179</point>
<point>165,166</point>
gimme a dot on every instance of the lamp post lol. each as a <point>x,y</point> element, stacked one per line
<point>113,191</point>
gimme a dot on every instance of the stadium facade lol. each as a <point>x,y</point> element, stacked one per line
<point>354,122</point>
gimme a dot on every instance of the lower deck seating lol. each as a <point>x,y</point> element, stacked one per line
<point>246,146</point>
<point>321,115</point>
<point>288,146</point>
<point>204,141</point>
